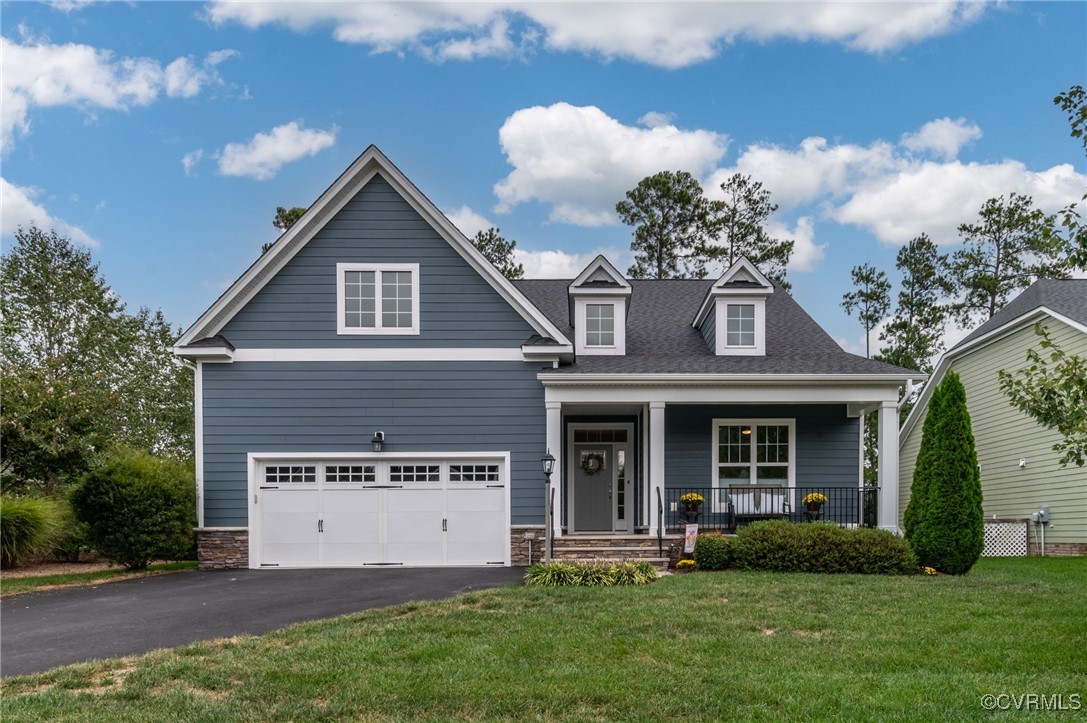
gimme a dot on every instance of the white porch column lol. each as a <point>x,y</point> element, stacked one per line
<point>888,466</point>
<point>554,445</point>
<point>656,461</point>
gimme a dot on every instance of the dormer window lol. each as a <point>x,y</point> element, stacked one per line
<point>740,325</point>
<point>377,298</point>
<point>600,325</point>
<point>599,298</point>
<point>732,318</point>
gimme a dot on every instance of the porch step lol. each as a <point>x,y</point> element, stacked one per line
<point>606,553</point>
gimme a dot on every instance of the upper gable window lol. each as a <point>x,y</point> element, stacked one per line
<point>599,325</point>
<point>377,298</point>
<point>740,325</point>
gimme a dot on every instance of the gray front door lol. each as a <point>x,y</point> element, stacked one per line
<point>593,478</point>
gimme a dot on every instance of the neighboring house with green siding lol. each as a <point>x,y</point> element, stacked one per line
<point>1020,472</point>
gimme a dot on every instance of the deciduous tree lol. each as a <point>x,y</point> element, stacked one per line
<point>1053,390</point>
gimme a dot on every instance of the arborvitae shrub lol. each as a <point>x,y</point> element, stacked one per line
<point>711,551</point>
<point>138,508</point>
<point>26,528</point>
<point>947,526</point>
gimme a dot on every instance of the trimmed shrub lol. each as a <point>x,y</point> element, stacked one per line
<point>822,547</point>
<point>944,521</point>
<point>711,551</point>
<point>138,508</point>
<point>26,528</point>
<point>70,539</point>
<point>590,574</point>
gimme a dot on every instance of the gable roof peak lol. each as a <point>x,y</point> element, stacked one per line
<point>370,163</point>
<point>743,273</point>
<point>600,274</point>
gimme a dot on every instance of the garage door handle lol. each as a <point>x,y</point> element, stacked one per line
<point>383,487</point>
<point>445,525</point>
<point>498,486</point>
<point>320,525</point>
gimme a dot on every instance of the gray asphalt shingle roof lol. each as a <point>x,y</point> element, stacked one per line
<point>661,340</point>
<point>1067,297</point>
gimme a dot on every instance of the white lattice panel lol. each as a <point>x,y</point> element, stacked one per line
<point>1005,539</point>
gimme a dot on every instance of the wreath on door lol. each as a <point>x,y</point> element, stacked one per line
<point>592,463</point>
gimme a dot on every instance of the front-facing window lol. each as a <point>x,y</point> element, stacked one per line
<point>378,299</point>
<point>599,325</point>
<point>740,325</point>
<point>753,452</point>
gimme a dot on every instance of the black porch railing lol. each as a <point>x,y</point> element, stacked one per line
<point>727,508</point>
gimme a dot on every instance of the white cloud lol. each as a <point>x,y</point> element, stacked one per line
<point>806,253</point>
<point>70,6</point>
<point>262,156</point>
<point>814,170</point>
<point>190,159</point>
<point>943,137</point>
<point>934,198</point>
<point>896,196</point>
<point>580,161</point>
<point>468,221</point>
<point>40,75</point>
<point>20,209</point>
<point>563,265</point>
<point>670,35</point>
<point>654,119</point>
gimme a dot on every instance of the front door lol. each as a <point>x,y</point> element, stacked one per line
<point>603,481</point>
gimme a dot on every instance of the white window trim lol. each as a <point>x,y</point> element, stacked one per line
<point>754,333</point>
<point>341,304</point>
<point>613,331</point>
<point>721,313</point>
<point>619,315</point>
<point>756,422</point>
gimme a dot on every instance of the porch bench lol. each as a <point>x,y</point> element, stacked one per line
<point>759,502</point>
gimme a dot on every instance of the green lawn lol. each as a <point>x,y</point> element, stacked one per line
<point>707,646</point>
<point>10,586</point>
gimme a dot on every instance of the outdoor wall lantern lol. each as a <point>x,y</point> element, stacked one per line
<point>548,462</point>
<point>377,441</point>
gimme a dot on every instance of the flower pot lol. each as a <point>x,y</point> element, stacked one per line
<point>814,512</point>
<point>691,513</point>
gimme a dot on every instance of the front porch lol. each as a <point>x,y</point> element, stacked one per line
<point>751,452</point>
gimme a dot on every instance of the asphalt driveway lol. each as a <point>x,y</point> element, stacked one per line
<point>41,630</point>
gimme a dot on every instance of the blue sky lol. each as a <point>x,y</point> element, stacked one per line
<point>163,135</point>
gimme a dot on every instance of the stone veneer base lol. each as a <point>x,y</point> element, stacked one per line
<point>1058,549</point>
<point>222,548</point>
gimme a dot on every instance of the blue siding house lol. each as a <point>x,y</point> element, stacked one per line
<point>372,391</point>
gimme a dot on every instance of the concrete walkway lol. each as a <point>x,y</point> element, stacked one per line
<point>41,630</point>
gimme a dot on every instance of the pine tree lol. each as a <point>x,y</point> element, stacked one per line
<point>672,227</point>
<point>739,226</point>
<point>871,299</point>
<point>945,526</point>
<point>1011,246</point>
<point>499,252</point>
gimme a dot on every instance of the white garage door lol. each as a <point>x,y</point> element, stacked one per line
<point>349,513</point>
